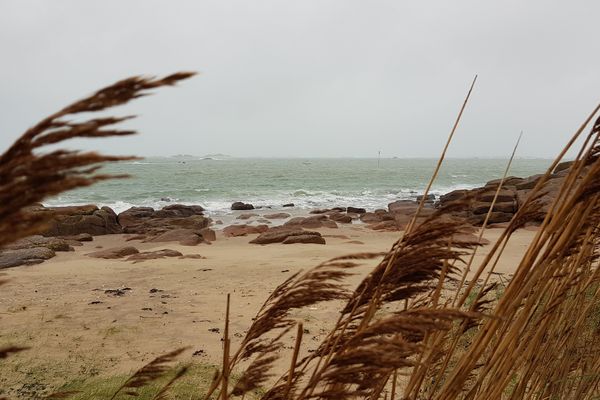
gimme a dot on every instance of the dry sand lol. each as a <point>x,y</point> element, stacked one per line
<point>75,329</point>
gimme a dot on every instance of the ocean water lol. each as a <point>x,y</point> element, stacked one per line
<point>308,183</point>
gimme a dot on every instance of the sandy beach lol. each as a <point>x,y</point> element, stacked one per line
<point>85,317</point>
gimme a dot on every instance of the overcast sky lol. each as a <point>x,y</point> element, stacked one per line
<point>311,78</point>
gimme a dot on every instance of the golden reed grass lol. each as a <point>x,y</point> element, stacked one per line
<point>539,340</point>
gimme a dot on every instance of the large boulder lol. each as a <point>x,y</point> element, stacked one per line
<point>51,243</point>
<point>375,217</point>
<point>563,166</point>
<point>308,239</point>
<point>312,222</point>
<point>504,196</point>
<point>356,210</point>
<point>208,234</point>
<point>247,216</point>
<point>238,205</point>
<point>529,183</point>
<point>82,237</point>
<point>74,220</point>
<point>341,218</point>
<point>509,181</point>
<point>495,218</point>
<point>181,210</point>
<point>277,216</point>
<point>429,199</point>
<point>385,226</point>
<point>185,237</point>
<point>114,252</point>
<point>483,207</point>
<point>147,221</point>
<point>279,235</point>
<point>407,207</point>
<point>25,256</point>
<point>135,215</point>
<point>243,230</point>
<point>153,255</point>
<point>454,195</point>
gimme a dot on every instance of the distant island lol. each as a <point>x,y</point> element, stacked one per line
<point>216,156</point>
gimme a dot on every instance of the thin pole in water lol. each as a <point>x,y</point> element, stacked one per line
<point>378,157</point>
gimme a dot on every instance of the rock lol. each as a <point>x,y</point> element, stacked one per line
<point>208,234</point>
<point>510,181</point>
<point>288,205</point>
<point>341,218</point>
<point>371,218</point>
<point>246,216</point>
<point>529,183</point>
<point>181,210</point>
<point>15,258</point>
<point>147,221</point>
<point>356,210</point>
<point>469,238</point>
<point>374,217</point>
<point>430,198</point>
<point>565,165</point>
<point>403,207</point>
<point>501,225</point>
<point>51,243</point>
<point>153,255</point>
<point>495,217</point>
<point>354,242</point>
<point>238,205</point>
<point>506,207</point>
<point>193,256</point>
<point>306,222</point>
<point>453,195</point>
<point>82,237</point>
<point>281,234</point>
<point>277,216</point>
<point>136,237</point>
<point>337,236</point>
<point>115,252</point>
<point>243,230</point>
<point>134,215</point>
<point>385,226</point>
<point>329,224</point>
<point>504,196</point>
<point>319,211</point>
<point>185,237</point>
<point>73,220</point>
<point>309,239</point>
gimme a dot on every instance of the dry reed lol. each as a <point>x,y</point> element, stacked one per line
<point>539,339</point>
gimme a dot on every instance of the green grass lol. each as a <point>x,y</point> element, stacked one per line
<point>192,386</point>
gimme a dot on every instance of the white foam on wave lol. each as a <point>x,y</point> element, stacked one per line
<point>302,198</point>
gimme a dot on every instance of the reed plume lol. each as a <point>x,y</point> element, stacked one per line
<point>28,176</point>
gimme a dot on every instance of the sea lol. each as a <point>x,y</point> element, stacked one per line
<point>215,183</point>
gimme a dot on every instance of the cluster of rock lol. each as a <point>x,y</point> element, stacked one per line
<point>174,223</point>
<point>65,221</point>
<point>187,225</point>
<point>69,226</point>
<point>512,195</point>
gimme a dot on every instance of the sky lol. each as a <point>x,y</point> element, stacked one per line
<point>310,78</point>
